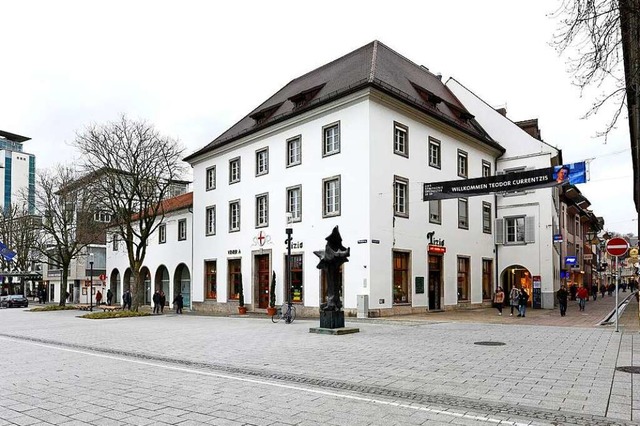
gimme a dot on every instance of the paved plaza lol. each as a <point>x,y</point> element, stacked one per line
<point>413,370</point>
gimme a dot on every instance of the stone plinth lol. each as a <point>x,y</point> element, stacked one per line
<point>331,319</point>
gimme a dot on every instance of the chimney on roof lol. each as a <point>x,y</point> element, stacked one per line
<point>502,111</point>
<point>439,76</point>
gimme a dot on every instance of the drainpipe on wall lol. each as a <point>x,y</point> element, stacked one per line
<point>191,272</point>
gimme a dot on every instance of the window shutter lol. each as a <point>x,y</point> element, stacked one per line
<point>529,229</point>
<point>499,231</point>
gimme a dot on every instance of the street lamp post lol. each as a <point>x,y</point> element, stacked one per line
<point>289,232</point>
<point>91,281</point>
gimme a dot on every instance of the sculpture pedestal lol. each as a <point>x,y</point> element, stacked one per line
<point>331,319</point>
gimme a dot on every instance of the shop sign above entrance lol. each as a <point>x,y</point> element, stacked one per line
<point>570,260</point>
<point>433,249</point>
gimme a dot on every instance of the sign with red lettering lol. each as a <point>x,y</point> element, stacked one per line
<point>432,249</point>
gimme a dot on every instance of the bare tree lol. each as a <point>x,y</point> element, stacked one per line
<point>19,232</point>
<point>592,27</point>
<point>67,208</point>
<point>135,168</point>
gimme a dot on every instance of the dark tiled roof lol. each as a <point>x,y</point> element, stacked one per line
<point>373,65</point>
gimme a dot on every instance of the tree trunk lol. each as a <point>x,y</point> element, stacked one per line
<point>63,289</point>
<point>137,291</point>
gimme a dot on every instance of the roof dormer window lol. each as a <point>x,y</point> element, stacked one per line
<point>301,99</point>
<point>265,113</point>
<point>427,95</point>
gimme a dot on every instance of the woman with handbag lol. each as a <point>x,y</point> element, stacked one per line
<point>498,300</point>
<point>514,295</point>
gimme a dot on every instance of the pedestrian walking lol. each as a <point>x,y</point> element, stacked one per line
<point>498,300</point>
<point>594,291</point>
<point>583,295</point>
<point>562,295</point>
<point>178,302</point>
<point>98,298</point>
<point>603,290</point>
<point>514,294</point>
<point>109,297</point>
<point>156,302</point>
<point>163,301</point>
<point>611,288</point>
<point>523,298</point>
<point>573,291</point>
<point>126,300</point>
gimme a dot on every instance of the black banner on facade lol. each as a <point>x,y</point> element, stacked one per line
<point>512,181</point>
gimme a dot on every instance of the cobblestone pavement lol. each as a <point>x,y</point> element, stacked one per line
<point>187,369</point>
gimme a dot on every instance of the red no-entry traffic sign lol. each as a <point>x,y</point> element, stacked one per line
<point>617,246</point>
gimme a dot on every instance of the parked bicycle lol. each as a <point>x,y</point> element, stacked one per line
<point>286,313</point>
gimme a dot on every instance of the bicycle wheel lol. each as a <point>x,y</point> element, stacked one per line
<point>277,317</point>
<point>293,314</point>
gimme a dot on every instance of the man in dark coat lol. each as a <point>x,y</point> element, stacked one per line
<point>109,297</point>
<point>563,295</point>
<point>178,301</point>
<point>156,302</point>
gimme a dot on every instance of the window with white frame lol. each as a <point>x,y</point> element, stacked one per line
<point>400,196</point>
<point>234,216</point>
<point>463,164</point>
<point>486,217</point>
<point>400,139</point>
<point>294,202</point>
<point>331,196</point>
<point>234,170</point>
<point>182,229</point>
<point>294,151</point>
<point>262,210</point>
<point>210,220</point>
<point>434,153</point>
<point>103,217</point>
<point>486,168</point>
<point>331,139</point>
<point>211,178</point>
<point>162,234</point>
<point>262,161</point>
<point>514,230</point>
<point>435,210</point>
<point>463,213</point>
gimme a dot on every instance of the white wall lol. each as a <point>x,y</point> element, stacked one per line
<point>522,150</point>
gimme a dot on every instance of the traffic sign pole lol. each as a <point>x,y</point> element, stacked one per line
<point>617,247</point>
<point>617,284</point>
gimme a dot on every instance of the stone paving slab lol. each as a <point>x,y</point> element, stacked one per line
<point>428,358</point>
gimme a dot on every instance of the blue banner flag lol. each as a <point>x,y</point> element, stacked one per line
<point>570,173</point>
<point>5,252</point>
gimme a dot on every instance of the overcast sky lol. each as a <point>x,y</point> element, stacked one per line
<point>193,68</point>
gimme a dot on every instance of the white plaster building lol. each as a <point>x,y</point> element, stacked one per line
<point>526,220</point>
<point>350,144</point>
<point>167,264</point>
